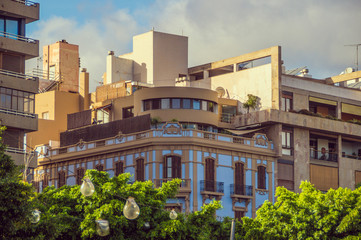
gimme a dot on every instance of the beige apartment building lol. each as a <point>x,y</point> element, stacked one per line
<point>17,90</point>
<point>159,119</point>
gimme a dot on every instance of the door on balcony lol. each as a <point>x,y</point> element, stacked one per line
<point>210,183</point>
<point>239,179</point>
<point>140,169</point>
<point>172,167</point>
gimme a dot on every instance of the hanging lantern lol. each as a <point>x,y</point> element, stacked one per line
<point>35,216</point>
<point>131,210</point>
<point>102,227</point>
<point>87,188</point>
<point>173,214</point>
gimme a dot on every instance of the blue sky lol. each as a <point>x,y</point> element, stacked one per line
<point>311,33</point>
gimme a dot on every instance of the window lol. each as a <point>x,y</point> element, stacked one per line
<point>239,179</point>
<point>196,104</point>
<point>17,100</point>
<point>165,103</point>
<point>204,105</point>
<point>45,180</point>
<point>210,183</point>
<point>128,112</point>
<point>102,116</point>
<point>147,105</point>
<point>261,177</point>
<point>61,179</point>
<point>99,167</point>
<point>287,138</point>
<point>176,103</point>
<point>140,169</point>
<point>210,107</point>
<point>156,104</point>
<point>79,175</point>
<point>10,25</point>
<point>172,167</point>
<point>118,168</point>
<point>287,101</point>
<point>186,103</point>
<point>45,115</point>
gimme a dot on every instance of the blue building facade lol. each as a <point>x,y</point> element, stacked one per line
<point>240,172</point>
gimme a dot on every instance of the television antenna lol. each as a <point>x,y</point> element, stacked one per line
<point>355,45</point>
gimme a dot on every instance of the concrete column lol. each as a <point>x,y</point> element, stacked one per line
<point>339,110</point>
<point>205,74</point>
<point>301,157</point>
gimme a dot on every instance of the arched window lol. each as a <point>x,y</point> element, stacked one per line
<point>172,167</point>
<point>140,169</point>
<point>61,179</point>
<point>261,170</point>
<point>79,175</point>
<point>118,168</point>
<point>239,179</point>
<point>210,183</point>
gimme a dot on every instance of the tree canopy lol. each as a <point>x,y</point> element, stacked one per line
<point>310,214</point>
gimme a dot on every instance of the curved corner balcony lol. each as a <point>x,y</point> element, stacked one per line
<point>19,44</point>
<point>172,135</point>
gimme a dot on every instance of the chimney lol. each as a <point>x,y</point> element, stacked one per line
<point>84,90</point>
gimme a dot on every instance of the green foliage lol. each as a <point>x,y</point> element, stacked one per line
<point>308,215</point>
<point>251,102</point>
<point>15,197</point>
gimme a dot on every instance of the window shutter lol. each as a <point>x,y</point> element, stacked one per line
<point>79,175</point>
<point>140,170</point>
<point>261,177</point>
<point>61,176</point>
<point>118,168</point>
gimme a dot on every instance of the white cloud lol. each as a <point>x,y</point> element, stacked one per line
<point>311,33</point>
<point>94,37</point>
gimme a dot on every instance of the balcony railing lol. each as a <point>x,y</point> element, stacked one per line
<point>246,190</point>
<point>18,37</point>
<point>226,117</point>
<point>212,186</point>
<point>352,156</point>
<point>17,113</point>
<point>325,156</point>
<point>17,75</point>
<point>159,133</point>
<point>26,2</point>
<point>186,183</point>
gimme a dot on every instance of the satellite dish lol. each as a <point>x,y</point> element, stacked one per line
<point>220,91</point>
<point>349,70</point>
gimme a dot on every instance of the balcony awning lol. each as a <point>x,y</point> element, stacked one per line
<point>242,132</point>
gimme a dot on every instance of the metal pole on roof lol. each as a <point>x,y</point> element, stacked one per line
<point>356,60</point>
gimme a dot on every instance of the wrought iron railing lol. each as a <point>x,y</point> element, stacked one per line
<point>18,37</point>
<point>237,189</point>
<point>212,186</point>
<point>26,2</point>
<point>186,183</point>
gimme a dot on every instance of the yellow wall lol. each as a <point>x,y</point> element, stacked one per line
<point>59,105</point>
